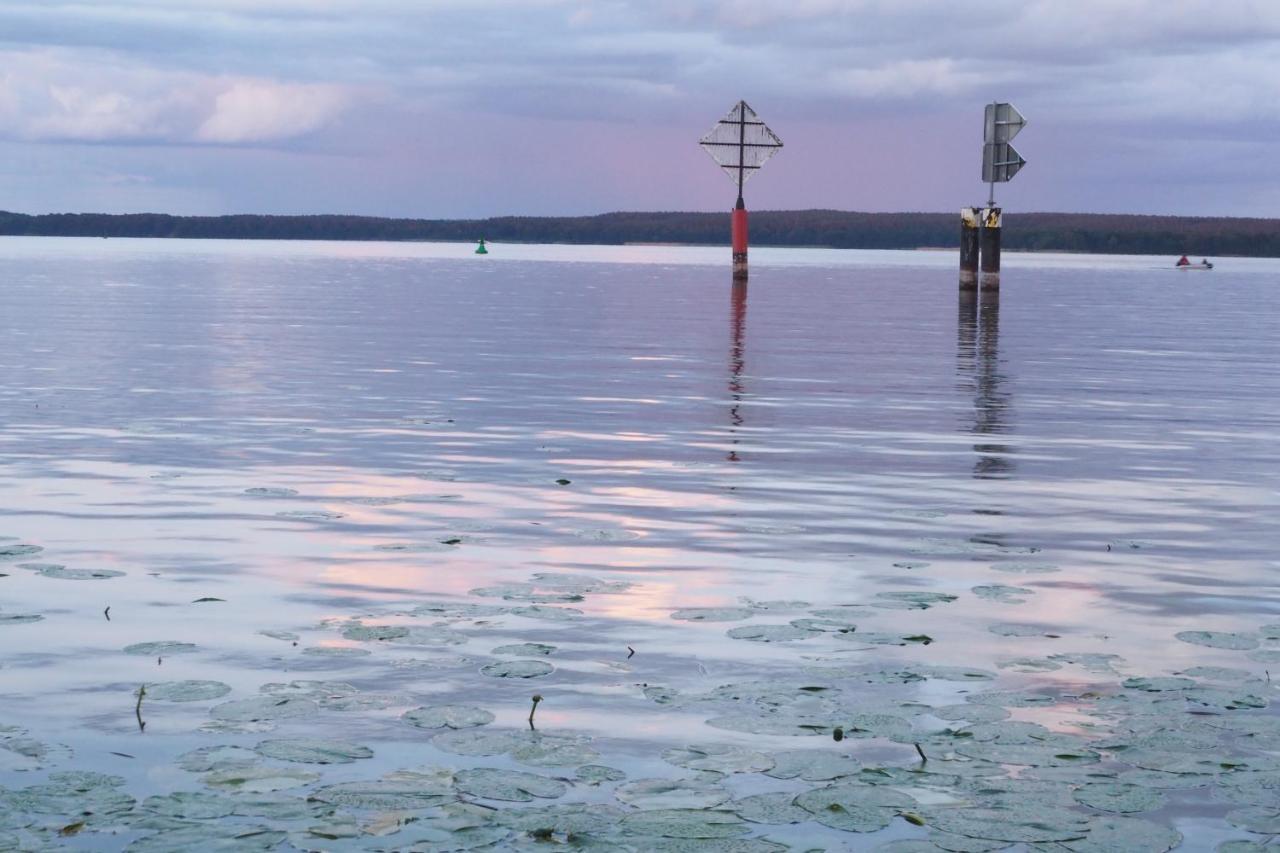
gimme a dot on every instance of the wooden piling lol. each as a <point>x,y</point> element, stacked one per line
<point>989,246</point>
<point>969,248</point>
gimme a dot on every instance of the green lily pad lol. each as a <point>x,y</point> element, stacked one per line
<point>186,691</point>
<point>196,805</point>
<point>596,774</point>
<point>713,614</point>
<point>18,550</point>
<point>1108,834</point>
<point>264,708</point>
<point>19,618</point>
<point>524,649</point>
<point>721,758</point>
<point>514,786</point>
<point>208,758</point>
<point>854,807</point>
<point>63,573</point>
<point>671,794</point>
<point>259,780</point>
<point>375,632</point>
<point>1219,640</point>
<point>518,669</point>
<point>1120,798</point>
<point>775,808</point>
<point>401,790</point>
<point>1031,824</point>
<point>683,823</point>
<point>1003,593</point>
<point>770,633</point>
<point>447,716</point>
<point>313,751</point>
<point>162,648</point>
<point>812,765</point>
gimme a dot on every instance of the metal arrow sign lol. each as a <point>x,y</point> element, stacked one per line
<point>740,143</point>
<point>1000,161</point>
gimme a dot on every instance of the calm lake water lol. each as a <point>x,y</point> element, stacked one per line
<point>709,526</point>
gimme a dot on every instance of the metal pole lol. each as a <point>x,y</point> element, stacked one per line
<point>742,147</point>
<point>995,122</point>
<point>738,223</point>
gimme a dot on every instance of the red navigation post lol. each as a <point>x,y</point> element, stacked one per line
<point>739,221</point>
<point>740,143</point>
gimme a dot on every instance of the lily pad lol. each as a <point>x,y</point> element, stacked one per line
<point>63,573</point>
<point>260,779</point>
<point>721,758</point>
<point>375,632</point>
<point>1219,639</point>
<point>514,786</point>
<point>271,492</point>
<point>518,669</point>
<point>186,691</point>
<point>683,823</point>
<point>671,794</point>
<point>1120,798</point>
<point>524,649</point>
<point>19,618</point>
<point>774,808</point>
<point>397,791</point>
<point>770,633</point>
<point>713,614</point>
<point>313,751</point>
<point>1003,593</point>
<point>161,648</point>
<point>18,550</point>
<point>1108,834</point>
<point>264,708</point>
<point>448,716</point>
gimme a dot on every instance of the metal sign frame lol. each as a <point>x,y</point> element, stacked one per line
<point>1000,160</point>
<point>740,116</point>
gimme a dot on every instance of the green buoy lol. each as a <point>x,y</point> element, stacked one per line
<point>481,250</point>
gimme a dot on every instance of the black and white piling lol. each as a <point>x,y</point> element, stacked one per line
<point>989,243</point>
<point>969,224</point>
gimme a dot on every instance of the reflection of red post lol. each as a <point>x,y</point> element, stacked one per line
<point>739,241</point>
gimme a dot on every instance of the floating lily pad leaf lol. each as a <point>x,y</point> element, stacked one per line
<point>19,618</point>
<point>310,515</point>
<point>63,573</point>
<point>683,823</point>
<point>196,805</point>
<point>854,807</point>
<point>812,765</point>
<point>271,492</point>
<point>264,708</point>
<point>1256,819</point>
<point>1026,568</point>
<point>433,635</point>
<point>780,605</point>
<point>1172,762</point>
<point>524,649</point>
<point>951,673</point>
<point>1218,673</point>
<point>518,669</point>
<point>713,614</point>
<point>911,565</point>
<point>1219,639</point>
<point>310,689</point>
<point>828,626</point>
<point>971,713</point>
<point>1014,629</point>
<point>769,633</point>
<point>313,751</point>
<point>287,636</point>
<point>448,716</point>
<point>18,550</point>
<point>920,600</point>
<point>570,819</point>
<point>162,648</point>
<point>375,632</point>
<point>77,792</point>
<point>793,725</point>
<point>1269,632</point>
<point>712,845</point>
<point>550,614</point>
<point>1012,699</point>
<point>278,807</point>
<point>1119,798</point>
<point>363,702</point>
<point>1003,593</point>
<point>514,786</point>
<point>880,639</point>
<point>210,837</point>
<point>1231,700</point>
<point>208,758</point>
<point>1103,664</point>
<point>1028,754</point>
<point>720,758</point>
<point>335,652</point>
<point>554,750</point>
<point>596,774</point>
<point>186,691</point>
<point>396,791</point>
<point>458,610</point>
<point>580,583</point>
<point>1031,824</point>
<point>479,741</point>
<point>1264,656</point>
<point>526,592</point>
<point>412,547</point>
<point>259,780</point>
<point>1158,684</point>
<point>1029,665</point>
<point>959,844</point>
<point>671,793</point>
<point>1242,847</point>
<point>769,808</point>
<point>1109,834</point>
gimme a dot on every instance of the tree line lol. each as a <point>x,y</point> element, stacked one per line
<point>1063,232</point>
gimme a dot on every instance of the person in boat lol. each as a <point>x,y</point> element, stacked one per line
<point>1183,262</point>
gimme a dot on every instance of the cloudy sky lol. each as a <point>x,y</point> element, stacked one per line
<point>459,108</point>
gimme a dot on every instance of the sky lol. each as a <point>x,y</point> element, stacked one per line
<point>473,108</point>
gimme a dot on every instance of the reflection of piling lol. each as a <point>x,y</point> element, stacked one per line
<point>990,248</point>
<point>739,220</point>
<point>969,248</point>
<point>737,360</point>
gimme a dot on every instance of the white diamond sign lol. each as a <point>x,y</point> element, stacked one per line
<point>740,143</point>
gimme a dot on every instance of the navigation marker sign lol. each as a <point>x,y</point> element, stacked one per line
<point>740,143</point>
<point>1000,161</point>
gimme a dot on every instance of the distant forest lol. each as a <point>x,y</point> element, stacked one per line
<point>1060,232</point>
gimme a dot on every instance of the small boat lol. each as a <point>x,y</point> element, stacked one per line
<point>1203,265</point>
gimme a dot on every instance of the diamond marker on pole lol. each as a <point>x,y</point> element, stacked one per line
<point>740,143</point>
